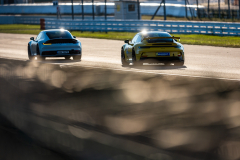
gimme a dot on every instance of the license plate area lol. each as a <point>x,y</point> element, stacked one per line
<point>62,52</point>
<point>163,54</point>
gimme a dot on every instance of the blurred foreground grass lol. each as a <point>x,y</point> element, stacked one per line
<point>193,39</point>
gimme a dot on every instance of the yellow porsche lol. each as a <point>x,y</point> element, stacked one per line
<point>153,47</point>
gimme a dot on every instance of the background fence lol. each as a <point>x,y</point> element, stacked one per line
<point>174,27</point>
<point>177,27</point>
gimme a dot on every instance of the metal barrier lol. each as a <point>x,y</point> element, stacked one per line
<point>177,27</point>
<point>27,19</point>
<point>36,19</point>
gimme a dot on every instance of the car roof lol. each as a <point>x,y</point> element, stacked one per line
<point>49,30</point>
<point>146,32</point>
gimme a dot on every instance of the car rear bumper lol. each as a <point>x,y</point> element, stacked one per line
<point>55,53</point>
<point>160,59</point>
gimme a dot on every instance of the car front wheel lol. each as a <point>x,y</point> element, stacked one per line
<point>124,63</point>
<point>29,54</point>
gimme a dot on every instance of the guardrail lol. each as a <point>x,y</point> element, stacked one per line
<point>36,19</point>
<point>28,19</point>
<point>178,27</point>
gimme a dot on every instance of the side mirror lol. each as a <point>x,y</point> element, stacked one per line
<point>32,38</point>
<point>74,36</point>
<point>126,41</point>
<point>174,39</point>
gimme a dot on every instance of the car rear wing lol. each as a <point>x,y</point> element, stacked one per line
<point>59,40</point>
<point>148,38</point>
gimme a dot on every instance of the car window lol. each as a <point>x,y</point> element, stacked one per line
<point>42,36</point>
<point>134,39</point>
<point>138,39</point>
<point>59,35</point>
<point>39,35</point>
<point>157,34</point>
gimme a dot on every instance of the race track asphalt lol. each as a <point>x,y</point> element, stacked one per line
<point>200,61</point>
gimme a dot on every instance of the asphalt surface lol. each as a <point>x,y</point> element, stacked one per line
<point>200,61</point>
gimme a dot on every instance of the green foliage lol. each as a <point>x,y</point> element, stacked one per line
<point>194,39</point>
<point>19,27</point>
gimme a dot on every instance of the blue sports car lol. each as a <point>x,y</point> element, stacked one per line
<point>54,43</point>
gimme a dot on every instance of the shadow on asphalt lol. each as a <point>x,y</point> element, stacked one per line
<point>57,61</point>
<point>155,67</point>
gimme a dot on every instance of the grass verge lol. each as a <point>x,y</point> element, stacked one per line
<point>193,39</point>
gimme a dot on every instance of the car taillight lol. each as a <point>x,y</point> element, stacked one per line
<point>47,43</point>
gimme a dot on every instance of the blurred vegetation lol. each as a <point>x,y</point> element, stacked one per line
<point>19,27</point>
<point>194,39</point>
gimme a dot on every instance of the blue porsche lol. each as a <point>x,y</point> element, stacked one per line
<point>54,43</point>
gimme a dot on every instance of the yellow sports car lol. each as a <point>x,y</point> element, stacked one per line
<point>153,47</point>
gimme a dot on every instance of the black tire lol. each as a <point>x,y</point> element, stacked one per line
<point>134,61</point>
<point>67,57</point>
<point>78,57</point>
<point>181,63</point>
<point>40,58</point>
<point>167,64</point>
<point>29,54</point>
<point>124,63</point>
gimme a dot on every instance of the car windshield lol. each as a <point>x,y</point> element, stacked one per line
<point>156,34</point>
<point>59,34</point>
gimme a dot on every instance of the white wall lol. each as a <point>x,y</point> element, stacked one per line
<point>178,11</point>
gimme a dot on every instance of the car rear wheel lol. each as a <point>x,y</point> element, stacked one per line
<point>67,57</point>
<point>181,63</point>
<point>77,57</point>
<point>124,63</point>
<point>167,64</point>
<point>29,54</point>
<point>40,58</point>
